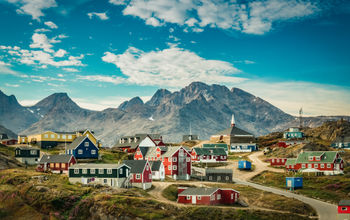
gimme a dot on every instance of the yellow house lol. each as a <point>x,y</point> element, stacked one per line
<point>49,139</point>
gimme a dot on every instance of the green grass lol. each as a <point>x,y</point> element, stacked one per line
<point>110,156</point>
<point>7,150</point>
<point>203,165</point>
<point>327,188</point>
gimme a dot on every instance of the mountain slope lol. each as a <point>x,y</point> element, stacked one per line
<point>9,133</point>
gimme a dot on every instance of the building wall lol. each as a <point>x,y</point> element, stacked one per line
<point>147,142</point>
<point>28,160</point>
<point>229,196</point>
<point>218,177</point>
<point>278,161</point>
<point>138,155</point>
<point>86,150</point>
<point>345,211</point>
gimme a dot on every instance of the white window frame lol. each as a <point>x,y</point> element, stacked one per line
<point>188,159</point>
<point>227,178</point>
<point>174,159</point>
<point>218,196</point>
<point>46,135</point>
<point>344,208</point>
<point>100,171</point>
<point>92,171</point>
<point>109,171</point>
<point>32,152</point>
<point>93,151</point>
<point>63,136</point>
<point>329,165</point>
<point>69,136</point>
<point>231,195</point>
<point>174,167</point>
<point>303,165</point>
<point>138,176</point>
<point>199,197</point>
<point>322,165</point>
<point>169,168</point>
<point>84,171</point>
<point>210,177</point>
<point>80,151</point>
<point>121,171</point>
<point>58,136</point>
<point>188,197</point>
<point>315,165</point>
<point>76,171</point>
<point>52,135</point>
<point>86,144</point>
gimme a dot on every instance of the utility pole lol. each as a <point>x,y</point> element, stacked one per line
<point>301,117</point>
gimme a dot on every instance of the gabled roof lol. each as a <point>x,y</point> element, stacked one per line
<point>215,145</point>
<point>210,151</point>
<point>97,166</point>
<point>171,151</point>
<point>137,166</point>
<point>198,191</point>
<point>227,171</point>
<point>290,161</point>
<point>327,156</point>
<point>27,148</point>
<point>155,165</point>
<point>234,131</point>
<point>77,142</point>
<point>144,150</point>
<point>344,202</point>
<point>59,158</point>
<point>62,132</point>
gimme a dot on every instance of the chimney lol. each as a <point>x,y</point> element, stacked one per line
<point>233,123</point>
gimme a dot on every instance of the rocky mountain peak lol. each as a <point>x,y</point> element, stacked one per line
<point>158,97</point>
<point>136,101</point>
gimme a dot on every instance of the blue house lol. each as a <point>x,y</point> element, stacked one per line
<point>293,133</point>
<point>82,148</point>
<point>243,147</point>
<point>341,142</point>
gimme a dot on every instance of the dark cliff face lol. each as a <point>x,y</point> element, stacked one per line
<point>207,107</point>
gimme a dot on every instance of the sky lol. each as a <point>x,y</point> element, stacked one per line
<point>292,53</point>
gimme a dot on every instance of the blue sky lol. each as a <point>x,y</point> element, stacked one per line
<point>291,53</point>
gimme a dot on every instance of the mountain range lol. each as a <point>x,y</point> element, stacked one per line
<point>208,108</point>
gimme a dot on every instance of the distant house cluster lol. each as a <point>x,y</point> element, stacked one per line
<point>131,143</point>
<point>5,140</point>
<point>293,133</point>
<point>342,142</point>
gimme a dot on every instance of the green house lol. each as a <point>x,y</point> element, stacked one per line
<point>216,146</point>
<point>293,132</point>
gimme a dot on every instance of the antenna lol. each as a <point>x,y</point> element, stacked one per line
<point>301,117</point>
<point>190,129</point>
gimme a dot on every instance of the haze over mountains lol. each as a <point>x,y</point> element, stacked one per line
<point>207,107</point>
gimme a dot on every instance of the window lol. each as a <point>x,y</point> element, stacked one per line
<point>58,136</point>
<point>46,136</point>
<point>32,152</point>
<point>63,165</point>
<point>63,136</point>
<point>109,171</point>
<point>199,197</point>
<point>105,181</point>
<point>277,160</point>
<point>80,151</point>
<point>344,208</point>
<point>273,160</point>
<point>52,165</point>
<point>174,159</point>
<point>227,178</point>
<point>69,136</point>
<point>329,165</point>
<point>219,178</point>
<point>322,165</point>
<point>218,196</point>
<point>169,168</point>
<point>86,143</point>
<point>92,171</point>
<point>84,171</point>
<point>138,176</point>
<point>76,171</point>
<point>316,165</point>
<point>188,197</point>
<point>121,171</point>
<point>93,151</point>
<point>174,167</point>
<point>100,171</point>
<point>232,196</point>
<point>52,136</point>
<point>181,152</point>
<point>318,158</point>
<point>303,165</point>
<point>210,177</point>
<point>57,165</point>
<point>188,159</point>
<point>150,176</point>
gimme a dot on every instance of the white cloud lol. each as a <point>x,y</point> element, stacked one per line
<point>174,67</point>
<point>5,68</point>
<point>251,17</point>
<point>28,102</point>
<point>102,15</point>
<point>33,7</point>
<point>73,70</point>
<point>41,41</point>
<point>60,75</point>
<point>60,53</point>
<point>62,36</point>
<point>50,24</point>
<point>11,85</point>
<point>315,99</point>
<point>42,30</point>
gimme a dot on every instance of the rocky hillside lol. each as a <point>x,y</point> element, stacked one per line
<point>330,130</point>
<point>9,133</point>
<point>207,107</point>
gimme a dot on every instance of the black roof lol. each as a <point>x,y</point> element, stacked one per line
<point>233,131</point>
<point>76,142</point>
<point>144,150</point>
<point>137,166</point>
<point>59,158</point>
<point>155,165</point>
<point>344,202</point>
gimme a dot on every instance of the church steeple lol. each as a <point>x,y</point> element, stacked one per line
<point>233,123</point>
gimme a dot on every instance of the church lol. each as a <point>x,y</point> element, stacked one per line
<point>233,135</point>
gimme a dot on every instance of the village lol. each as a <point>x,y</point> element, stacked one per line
<point>196,172</point>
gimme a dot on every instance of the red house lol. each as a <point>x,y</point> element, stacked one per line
<point>56,163</point>
<point>326,162</point>
<point>131,143</point>
<point>176,160</point>
<point>208,155</point>
<point>282,144</point>
<point>278,162</point>
<point>9,141</point>
<point>207,196</point>
<point>344,207</point>
<point>141,173</point>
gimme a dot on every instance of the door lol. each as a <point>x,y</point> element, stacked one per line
<point>309,165</point>
<point>337,167</point>
<point>289,183</point>
<point>193,199</point>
